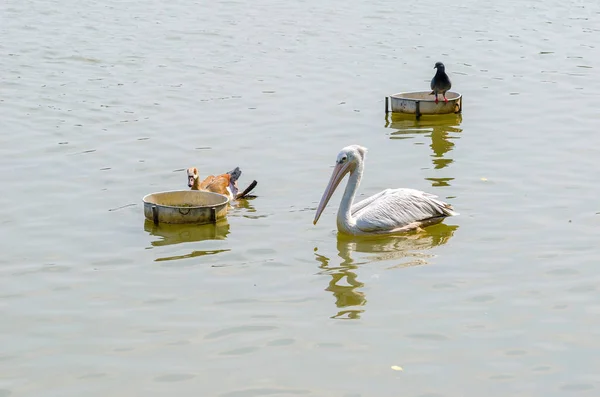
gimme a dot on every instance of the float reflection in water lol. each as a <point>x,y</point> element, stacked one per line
<point>407,250</point>
<point>179,234</point>
<point>442,130</point>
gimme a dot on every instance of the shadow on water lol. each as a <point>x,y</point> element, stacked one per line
<point>407,250</point>
<point>178,234</point>
<point>440,128</point>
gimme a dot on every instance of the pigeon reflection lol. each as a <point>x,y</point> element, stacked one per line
<point>441,130</point>
<point>405,251</point>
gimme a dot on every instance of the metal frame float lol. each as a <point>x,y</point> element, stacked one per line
<point>423,103</point>
<point>185,206</point>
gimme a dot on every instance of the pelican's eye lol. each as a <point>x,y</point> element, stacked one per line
<point>343,159</point>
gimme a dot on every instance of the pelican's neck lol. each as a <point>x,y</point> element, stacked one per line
<point>344,217</point>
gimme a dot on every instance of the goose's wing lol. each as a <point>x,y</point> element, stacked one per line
<point>397,208</point>
<point>216,184</point>
<point>234,175</point>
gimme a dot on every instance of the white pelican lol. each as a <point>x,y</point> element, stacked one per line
<point>388,212</point>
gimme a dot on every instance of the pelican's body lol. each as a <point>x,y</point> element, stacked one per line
<point>225,184</point>
<point>388,212</point>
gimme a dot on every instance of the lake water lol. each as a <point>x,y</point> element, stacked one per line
<point>104,102</point>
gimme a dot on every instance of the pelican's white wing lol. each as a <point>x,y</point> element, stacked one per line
<point>397,208</point>
<point>364,203</point>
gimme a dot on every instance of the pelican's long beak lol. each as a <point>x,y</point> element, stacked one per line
<point>339,171</point>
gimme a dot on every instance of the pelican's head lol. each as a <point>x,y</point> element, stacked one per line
<point>440,66</point>
<point>192,174</point>
<point>348,159</point>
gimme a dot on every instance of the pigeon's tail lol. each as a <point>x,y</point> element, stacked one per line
<point>432,93</point>
<point>247,190</point>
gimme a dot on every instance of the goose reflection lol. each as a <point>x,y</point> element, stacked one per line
<point>244,208</point>
<point>441,130</point>
<point>177,234</point>
<point>404,251</point>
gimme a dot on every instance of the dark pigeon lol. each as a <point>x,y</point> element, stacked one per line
<point>440,83</point>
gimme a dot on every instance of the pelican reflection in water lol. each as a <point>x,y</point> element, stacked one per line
<point>400,251</point>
